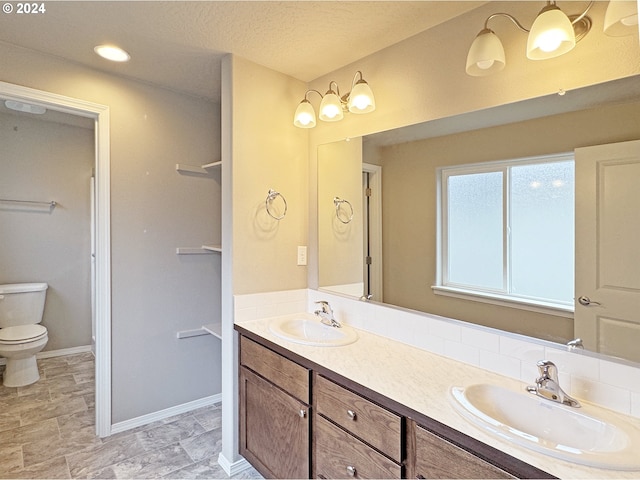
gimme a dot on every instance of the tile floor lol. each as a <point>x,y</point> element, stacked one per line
<point>47,431</point>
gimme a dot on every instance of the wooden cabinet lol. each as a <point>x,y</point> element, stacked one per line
<point>349,432</point>
<point>352,436</point>
<point>274,423</point>
<point>430,456</point>
<point>337,454</point>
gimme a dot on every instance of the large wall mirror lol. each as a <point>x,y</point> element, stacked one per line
<point>378,211</point>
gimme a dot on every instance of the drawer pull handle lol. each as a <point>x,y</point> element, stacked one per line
<point>351,471</point>
<point>352,414</point>
<point>302,413</point>
<point>420,477</point>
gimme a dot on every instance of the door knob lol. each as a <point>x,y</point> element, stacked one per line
<point>586,301</point>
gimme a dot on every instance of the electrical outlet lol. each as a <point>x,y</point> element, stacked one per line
<point>302,255</point>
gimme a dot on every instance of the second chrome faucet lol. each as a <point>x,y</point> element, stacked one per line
<point>547,385</point>
<point>325,313</point>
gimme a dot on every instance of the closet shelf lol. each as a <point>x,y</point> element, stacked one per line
<point>214,329</point>
<point>198,169</point>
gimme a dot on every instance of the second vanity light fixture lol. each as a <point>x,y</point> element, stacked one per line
<point>333,106</point>
<point>552,34</point>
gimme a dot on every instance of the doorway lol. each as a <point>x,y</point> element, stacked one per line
<point>100,231</point>
<point>372,231</point>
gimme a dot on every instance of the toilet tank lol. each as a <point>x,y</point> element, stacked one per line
<point>22,303</point>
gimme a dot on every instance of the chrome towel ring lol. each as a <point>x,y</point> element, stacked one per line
<point>271,196</point>
<point>343,217</point>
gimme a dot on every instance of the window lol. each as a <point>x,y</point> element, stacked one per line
<point>507,232</point>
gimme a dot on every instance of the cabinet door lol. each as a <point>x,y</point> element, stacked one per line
<point>433,457</point>
<point>274,429</point>
<point>338,454</point>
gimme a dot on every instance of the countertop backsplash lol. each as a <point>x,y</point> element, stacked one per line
<point>607,383</point>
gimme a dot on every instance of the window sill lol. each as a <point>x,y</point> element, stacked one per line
<point>505,301</point>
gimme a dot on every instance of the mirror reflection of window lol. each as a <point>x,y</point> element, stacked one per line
<point>508,229</point>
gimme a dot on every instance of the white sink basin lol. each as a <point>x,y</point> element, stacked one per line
<point>579,435</point>
<point>310,331</point>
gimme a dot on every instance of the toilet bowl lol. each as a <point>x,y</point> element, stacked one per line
<point>21,335</point>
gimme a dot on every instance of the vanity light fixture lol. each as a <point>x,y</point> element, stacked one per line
<point>621,18</point>
<point>333,106</point>
<point>552,34</point>
<point>113,53</point>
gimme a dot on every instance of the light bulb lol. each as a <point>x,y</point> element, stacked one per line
<point>485,64</point>
<point>550,40</point>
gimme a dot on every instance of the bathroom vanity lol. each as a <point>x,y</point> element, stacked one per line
<point>379,408</point>
<point>299,419</point>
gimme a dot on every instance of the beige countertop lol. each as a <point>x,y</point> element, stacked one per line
<point>422,381</point>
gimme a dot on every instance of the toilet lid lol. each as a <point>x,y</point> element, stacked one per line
<point>21,333</point>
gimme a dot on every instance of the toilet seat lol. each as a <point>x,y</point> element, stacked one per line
<point>21,334</point>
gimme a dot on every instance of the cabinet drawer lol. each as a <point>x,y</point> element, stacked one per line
<point>340,455</point>
<point>281,371</point>
<point>373,424</point>
<point>437,458</point>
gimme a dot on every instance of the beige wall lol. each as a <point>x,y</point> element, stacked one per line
<point>268,152</point>
<point>155,293</point>
<point>409,179</point>
<point>46,161</point>
<point>340,244</point>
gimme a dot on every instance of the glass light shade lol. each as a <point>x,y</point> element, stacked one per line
<point>361,99</point>
<point>551,35</point>
<point>621,18</point>
<point>331,107</point>
<point>486,55</point>
<point>305,116</point>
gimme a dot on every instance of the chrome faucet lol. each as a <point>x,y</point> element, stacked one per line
<point>326,314</point>
<point>547,385</point>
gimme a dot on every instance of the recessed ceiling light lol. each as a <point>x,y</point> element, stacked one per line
<point>113,53</point>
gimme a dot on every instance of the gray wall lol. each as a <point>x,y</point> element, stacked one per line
<point>43,161</point>
<point>154,209</point>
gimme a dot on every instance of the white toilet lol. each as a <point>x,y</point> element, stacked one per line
<point>21,335</point>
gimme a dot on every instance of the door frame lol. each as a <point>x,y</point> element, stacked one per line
<point>375,229</point>
<point>102,227</point>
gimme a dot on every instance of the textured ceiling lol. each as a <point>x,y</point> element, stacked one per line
<point>179,44</point>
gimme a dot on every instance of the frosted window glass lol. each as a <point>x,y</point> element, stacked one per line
<point>475,230</point>
<point>542,231</point>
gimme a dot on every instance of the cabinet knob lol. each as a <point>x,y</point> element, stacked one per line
<point>351,471</point>
<point>302,413</point>
<point>352,414</point>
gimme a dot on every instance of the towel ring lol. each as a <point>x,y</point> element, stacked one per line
<point>338,202</point>
<point>271,196</point>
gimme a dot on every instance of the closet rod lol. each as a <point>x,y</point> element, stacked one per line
<point>30,202</point>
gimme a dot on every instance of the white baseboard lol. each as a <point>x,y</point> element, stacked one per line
<point>234,468</point>
<point>57,353</point>
<point>166,413</point>
<point>64,351</point>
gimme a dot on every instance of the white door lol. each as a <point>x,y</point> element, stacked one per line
<point>607,308</point>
